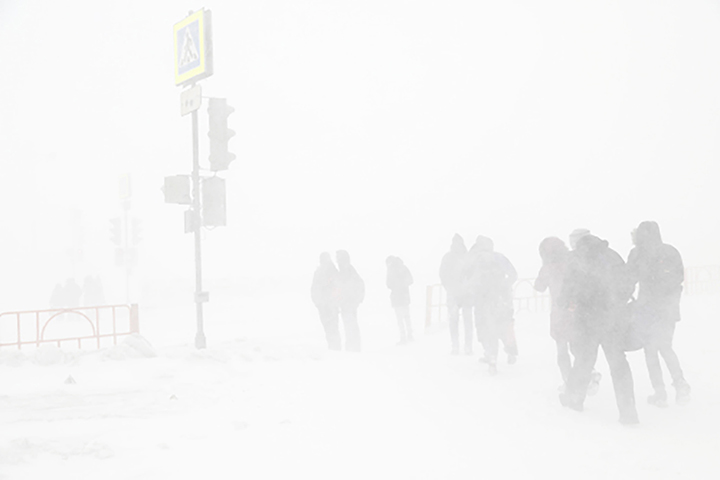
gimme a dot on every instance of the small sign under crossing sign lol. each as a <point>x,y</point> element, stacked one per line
<point>190,100</point>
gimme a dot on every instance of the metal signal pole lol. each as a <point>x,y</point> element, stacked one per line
<point>193,61</point>
<point>196,221</point>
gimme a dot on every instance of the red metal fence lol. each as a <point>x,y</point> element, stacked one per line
<point>98,324</point>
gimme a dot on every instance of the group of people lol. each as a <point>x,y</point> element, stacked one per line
<point>338,291</point>
<point>593,300</point>
<point>594,305</point>
<point>71,295</point>
<point>479,286</point>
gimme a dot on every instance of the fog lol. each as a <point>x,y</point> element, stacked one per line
<point>379,128</point>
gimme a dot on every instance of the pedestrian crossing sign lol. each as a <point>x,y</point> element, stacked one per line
<point>193,48</point>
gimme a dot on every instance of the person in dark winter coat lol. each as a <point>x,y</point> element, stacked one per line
<point>576,235</point>
<point>658,269</point>
<point>491,281</point>
<point>352,293</point>
<point>325,296</point>
<point>454,278</point>
<point>555,255</point>
<point>597,289</point>
<point>573,239</point>
<point>398,281</point>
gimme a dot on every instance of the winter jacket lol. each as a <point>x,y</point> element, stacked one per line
<point>325,287</point>
<point>491,275</point>
<point>555,256</point>
<point>597,287</point>
<point>398,281</point>
<point>351,287</point>
<point>454,273</point>
<point>658,270</point>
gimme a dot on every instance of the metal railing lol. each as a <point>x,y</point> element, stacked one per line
<point>525,297</point>
<point>702,280</point>
<point>698,281</point>
<point>31,327</point>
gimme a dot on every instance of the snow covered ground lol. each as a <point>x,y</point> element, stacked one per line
<point>266,400</point>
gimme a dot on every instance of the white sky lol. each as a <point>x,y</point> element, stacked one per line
<point>380,127</point>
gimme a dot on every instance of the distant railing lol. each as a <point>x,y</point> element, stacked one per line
<point>525,297</point>
<point>702,280</point>
<point>698,281</point>
<point>36,327</point>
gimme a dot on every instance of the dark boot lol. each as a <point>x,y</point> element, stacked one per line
<point>572,401</point>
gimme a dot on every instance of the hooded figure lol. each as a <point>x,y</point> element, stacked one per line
<point>597,289</point>
<point>351,289</point>
<point>398,281</point>
<point>576,235</point>
<point>555,256</point>
<point>325,296</point>
<point>491,279</point>
<point>454,278</point>
<point>658,270</point>
<point>453,273</point>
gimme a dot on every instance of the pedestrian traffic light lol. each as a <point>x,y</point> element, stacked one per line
<point>213,202</point>
<point>116,231</point>
<point>136,230</point>
<point>220,134</point>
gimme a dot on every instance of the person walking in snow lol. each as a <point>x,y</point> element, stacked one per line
<point>555,255</point>
<point>398,281</point>
<point>454,278</point>
<point>597,289</point>
<point>576,235</point>
<point>351,295</point>
<point>658,270</point>
<point>325,295</point>
<point>491,280</point>
<point>595,376</point>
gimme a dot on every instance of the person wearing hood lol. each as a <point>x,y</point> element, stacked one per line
<point>492,277</point>
<point>555,256</point>
<point>597,289</point>
<point>453,276</point>
<point>576,235</point>
<point>595,376</point>
<point>324,293</point>
<point>398,280</point>
<point>658,270</point>
<point>351,294</point>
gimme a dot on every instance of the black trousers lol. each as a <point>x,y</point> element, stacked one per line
<point>352,328</point>
<point>585,348</point>
<point>660,345</point>
<point>329,319</point>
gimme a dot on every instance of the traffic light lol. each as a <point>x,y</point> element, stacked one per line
<point>220,134</point>
<point>136,230</point>
<point>213,202</point>
<point>116,231</point>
